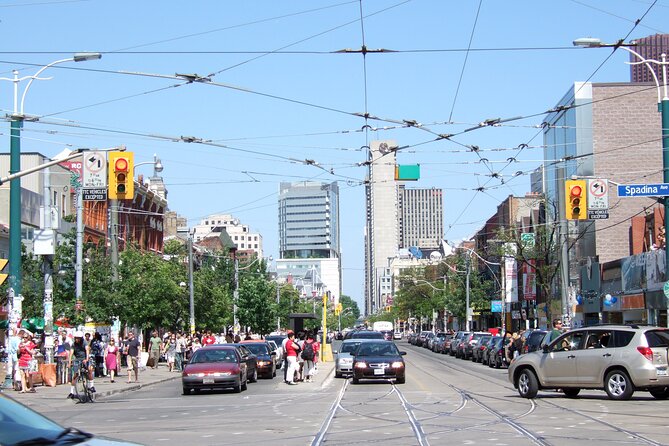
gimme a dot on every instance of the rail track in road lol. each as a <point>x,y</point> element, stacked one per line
<point>512,421</point>
<point>341,405</point>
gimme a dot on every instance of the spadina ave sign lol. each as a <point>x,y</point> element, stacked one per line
<point>643,190</point>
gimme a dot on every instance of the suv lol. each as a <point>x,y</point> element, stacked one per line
<point>616,358</point>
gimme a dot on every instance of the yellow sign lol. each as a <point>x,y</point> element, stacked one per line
<point>3,276</point>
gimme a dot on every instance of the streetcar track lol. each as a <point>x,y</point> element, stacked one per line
<point>416,426</point>
<point>511,420</point>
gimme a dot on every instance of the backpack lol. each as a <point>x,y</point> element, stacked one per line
<point>308,351</point>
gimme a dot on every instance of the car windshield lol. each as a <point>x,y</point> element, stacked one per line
<point>377,349</point>
<point>349,347</point>
<point>19,423</point>
<point>368,335</point>
<point>211,355</point>
<point>257,349</point>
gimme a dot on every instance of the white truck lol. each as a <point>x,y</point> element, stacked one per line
<point>384,327</point>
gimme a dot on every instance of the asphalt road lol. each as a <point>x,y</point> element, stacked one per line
<point>444,401</point>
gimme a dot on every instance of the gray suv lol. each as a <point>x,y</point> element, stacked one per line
<point>616,358</point>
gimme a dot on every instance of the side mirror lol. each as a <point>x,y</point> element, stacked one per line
<point>273,353</point>
<point>403,353</point>
<point>334,352</point>
<point>545,349</point>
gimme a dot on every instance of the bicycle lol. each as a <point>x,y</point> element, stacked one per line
<point>82,391</point>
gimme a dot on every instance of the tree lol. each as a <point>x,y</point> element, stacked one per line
<point>256,306</point>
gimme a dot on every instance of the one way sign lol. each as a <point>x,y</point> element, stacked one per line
<point>598,199</point>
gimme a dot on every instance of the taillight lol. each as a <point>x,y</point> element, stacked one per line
<point>647,352</point>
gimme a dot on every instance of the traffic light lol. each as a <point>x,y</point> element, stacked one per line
<point>3,276</point>
<point>576,202</point>
<point>121,178</point>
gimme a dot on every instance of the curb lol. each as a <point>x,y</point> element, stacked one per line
<point>134,386</point>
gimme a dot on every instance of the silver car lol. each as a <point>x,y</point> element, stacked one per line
<point>343,358</point>
<point>616,358</point>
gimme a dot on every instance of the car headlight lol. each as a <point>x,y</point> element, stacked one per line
<point>198,375</point>
<point>397,365</point>
<point>361,365</point>
<point>220,374</point>
<point>261,363</point>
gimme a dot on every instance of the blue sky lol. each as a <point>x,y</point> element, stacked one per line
<point>294,97</point>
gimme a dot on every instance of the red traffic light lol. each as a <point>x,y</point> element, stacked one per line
<point>576,191</point>
<point>121,165</point>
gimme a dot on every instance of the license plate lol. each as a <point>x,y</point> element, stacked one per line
<point>207,380</point>
<point>379,371</point>
<point>661,372</point>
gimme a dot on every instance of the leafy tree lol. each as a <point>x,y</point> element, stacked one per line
<point>213,284</point>
<point>256,303</point>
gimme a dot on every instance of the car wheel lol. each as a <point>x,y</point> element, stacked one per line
<point>186,391</point>
<point>400,380</point>
<point>254,377</point>
<point>338,374</point>
<point>527,384</point>
<point>273,373</point>
<point>239,387</point>
<point>243,385</point>
<point>571,392</point>
<point>660,393</point>
<point>498,363</point>
<point>355,380</point>
<point>618,385</point>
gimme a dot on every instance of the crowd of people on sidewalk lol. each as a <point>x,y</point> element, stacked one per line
<point>300,358</point>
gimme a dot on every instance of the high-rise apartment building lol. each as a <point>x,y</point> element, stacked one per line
<point>651,47</point>
<point>309,237</point>
<point>247,242</point>
<point>421,222</point>
<point>381,231</point>
<point>308,220</point>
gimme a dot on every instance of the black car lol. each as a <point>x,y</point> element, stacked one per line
<point>477,350</point>
<point>378,360</point>
<point>533,341</point>
<point>489,349</point>
<point>365,334</point>
<point>264,358</point>
<point>247,357</point>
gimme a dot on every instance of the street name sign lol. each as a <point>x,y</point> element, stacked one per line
<point>643,190</point>
<point>95,170</point>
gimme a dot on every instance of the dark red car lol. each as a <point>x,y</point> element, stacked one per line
<point>215,367</point>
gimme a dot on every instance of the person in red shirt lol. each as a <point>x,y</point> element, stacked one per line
<point>208,339</point>
<point>292,350</point>
<point>26,354</point>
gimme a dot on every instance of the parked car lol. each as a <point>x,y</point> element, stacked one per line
<point>250,359</point>
<point>477,350</point>
<point>378,360</point>
<point>214,367</point>
<point>420,340</point>
<point>365,334</point>
<point>20,424</point>
<point>278,340</point>
<point>397,335</point>
<point>489,349</point>
<point>265,357</point>
<point>469,343</point>
<point>411,338</point>
<point>497,354</point>
<point>278,357</point>
<point>438,341</point>
<point>446,346</point>
<point>616,358</point>
<point>343,358</point>
<point>533,340</point>
<point>456,342</point>
<point>427,342</point>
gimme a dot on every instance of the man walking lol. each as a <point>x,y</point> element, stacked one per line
<point>154,350</point>
<point>181,350</point>
<point>133,347</point>
<point>292,350</point>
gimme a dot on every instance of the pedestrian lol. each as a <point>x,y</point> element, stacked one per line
<point>556,332</point>
<point>238,339</point>
<point>181,351</point>
<point>300,359</point>
<point>208,338</point>
<point>309,357</point>
<point>97,349</point>
<point>134,348</point>
<point>112,358</point>
<point>15,337</point>
<point>285,357</point>
<point>78,357</point>
<point>292,351</point>
<point>196,345</point>
<point>26,355</point>
<point>248,336</point>
<point>229,338</point>
<point>123,346</point>
<point>170,349</point>
<point>155,344</point>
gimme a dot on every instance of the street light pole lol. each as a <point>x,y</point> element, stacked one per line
<point>17,118</point>
<point>663,108</point>
<point>469,261</point>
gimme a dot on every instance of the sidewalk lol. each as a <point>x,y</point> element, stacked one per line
<point>103,386</point>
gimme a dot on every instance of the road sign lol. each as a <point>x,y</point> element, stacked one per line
<point>496,306</point>
<point>598,199</point>
<point>643,190</point>
<point>527,239</point>
<point>90,194</point>
<point>95,170</point>
<point>3,276</point>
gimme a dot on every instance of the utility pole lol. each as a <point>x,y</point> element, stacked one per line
<point>47,262</point>
<point>468,261</point>
<point>190,284</point>
<point>235,296</point>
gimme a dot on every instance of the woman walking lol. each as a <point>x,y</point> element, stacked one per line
<point>26,355</point>
<point>170,349</point>
<point>112,358</point>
